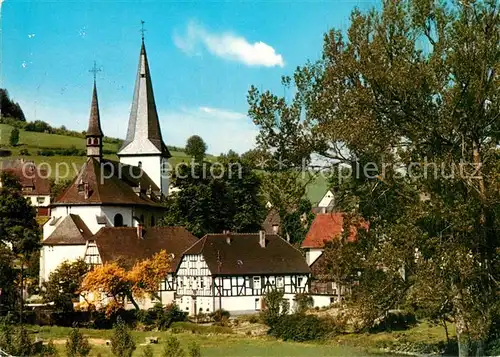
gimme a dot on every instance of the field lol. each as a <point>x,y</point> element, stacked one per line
<point>216,345</point>
<point>33,142</point>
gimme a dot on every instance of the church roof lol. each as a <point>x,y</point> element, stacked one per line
<point>123,245</point>
<point>94,128</point>
<point>71,231</point>
<point>242,254</point>
<point>108,182</point>
<point>143,134</point>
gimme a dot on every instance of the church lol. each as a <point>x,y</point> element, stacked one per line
<point>107,193</point>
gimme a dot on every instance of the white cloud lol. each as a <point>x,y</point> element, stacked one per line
<point>228,46</point>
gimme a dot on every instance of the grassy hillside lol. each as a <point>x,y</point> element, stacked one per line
<point>34,142</point>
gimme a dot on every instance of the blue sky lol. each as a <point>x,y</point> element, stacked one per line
<point>203,58</point>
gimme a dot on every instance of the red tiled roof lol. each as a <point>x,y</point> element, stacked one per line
<point>242,254</point>
<point>325,227</point>
<point>122,243</point>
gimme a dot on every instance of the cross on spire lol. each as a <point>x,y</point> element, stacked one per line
<point>94,70</point>
<point>142,29</point>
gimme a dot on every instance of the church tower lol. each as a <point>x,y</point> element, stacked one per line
<point>144,146</point>
<point>94,132</point>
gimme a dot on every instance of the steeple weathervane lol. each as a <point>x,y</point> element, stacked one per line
<point>142,29</point>
<point>95,70</point>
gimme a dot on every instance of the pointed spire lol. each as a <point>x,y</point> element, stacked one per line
<point>94,128</point>
<point>94,132</point>
<point>144,133</point>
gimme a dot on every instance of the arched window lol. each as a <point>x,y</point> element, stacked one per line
<point>139,165</point>
<point>89,141</point>
<point>118,220</point>
<point>153,221</point>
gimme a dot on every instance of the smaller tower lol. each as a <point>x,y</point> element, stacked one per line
<point>94,132</point>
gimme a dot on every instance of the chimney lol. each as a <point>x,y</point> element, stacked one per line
<point>140,230</point>
<point>323,209</point>
<point>262,238</point>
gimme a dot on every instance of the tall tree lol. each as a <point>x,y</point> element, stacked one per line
<point>196,148</point>
<point>14,137</point>
<point>408,99</point>
<point>216,197</point>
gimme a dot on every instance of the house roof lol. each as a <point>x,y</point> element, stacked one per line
<point>33,181</point>
<point>325,227</point>
<point>123,244</point>
<point>110,182</point>
<point>242,254</point>
<point>144,133</point>
<point>71,231</point>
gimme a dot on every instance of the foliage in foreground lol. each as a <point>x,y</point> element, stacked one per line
<point>77,345</point>
<point>173,348</point>
<point>122,343</point>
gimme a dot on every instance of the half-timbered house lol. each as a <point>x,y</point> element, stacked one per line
<point>234,271</point>
<point>128,245</point>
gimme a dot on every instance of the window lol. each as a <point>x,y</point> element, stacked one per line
<point>139,164</point>
<point>40,200</point>
<point>202,283</point>
<point>118,220</point>
<point>89,141</point>
<point>192,258</point>
<point>279,282</point>
<point>257,304</point>
<point>299,281</point>
<point>256,282</point>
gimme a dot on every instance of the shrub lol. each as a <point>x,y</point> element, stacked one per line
<point>122,344</point>
<point>49,350</point>
<point>220,317</point>
<point>5,153</point>
<point>77,345</point>
<point>275,307</point>
<point>147,352</point>
<point>194,349</point>
<point>173,348</point>
<point>300,327</point>
<point>394,321</point>
<point>164,317</point>
<point>24,152</point>
<point>14,137</point>
<point>303,302</point>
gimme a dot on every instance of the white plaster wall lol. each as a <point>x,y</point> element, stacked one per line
<point>52,256</point>
<point>126,212</point>
<point>326,200</point>
<point>87,214</point>
<point>34,200</point>
<point>321,300</point>
<point>312,254</point>
<point>152,166</point>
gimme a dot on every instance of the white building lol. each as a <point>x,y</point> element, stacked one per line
<point>35,185</point>
<point>327,202</point>
<point>108,193</point>
<point>234,272</point>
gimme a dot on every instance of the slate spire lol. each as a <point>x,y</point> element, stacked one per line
<point>94,132</point>
<point>144,133</point>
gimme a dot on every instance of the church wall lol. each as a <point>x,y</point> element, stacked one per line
<point>52,256</point>
<point>151,165</point>
<point>126,212</point>
<point>87,213</point>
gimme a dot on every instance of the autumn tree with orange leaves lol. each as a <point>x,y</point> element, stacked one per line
<point>117,283</point>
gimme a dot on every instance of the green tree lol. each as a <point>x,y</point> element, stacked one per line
<point>403,97</point>
<point>216,197</point>
<point>173,348</point>
<point>17,218</point>
<point>194,349</point>
<point>196,148</point>
<point>122,343</point>
<point>77,345</point>
<point>63,284</point>
<point>276,306</point>
<point>14,137</point>
<point>147,352</point>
